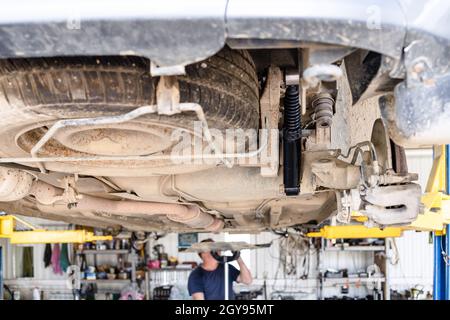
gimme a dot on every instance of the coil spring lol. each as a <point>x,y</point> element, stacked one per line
<point>292,115</point>
<point>323,110</point>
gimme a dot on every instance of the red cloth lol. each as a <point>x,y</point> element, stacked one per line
<point>56,253</point>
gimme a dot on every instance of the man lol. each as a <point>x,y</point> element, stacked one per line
<point>207,281</point>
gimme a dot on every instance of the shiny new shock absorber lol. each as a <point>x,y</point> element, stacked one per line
<point>292,141</point>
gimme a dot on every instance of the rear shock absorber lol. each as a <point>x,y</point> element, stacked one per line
<point>292,141</point>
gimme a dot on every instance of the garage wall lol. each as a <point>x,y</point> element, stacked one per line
<point>54,285</point>
<point>267,266</point>
<point>420,161</point>
<point>415,266</point>
<point>40,272</point>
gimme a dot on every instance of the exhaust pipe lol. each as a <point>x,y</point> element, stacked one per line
<point>14,184</point>
<point>189,215</point>
<point>17,184</point>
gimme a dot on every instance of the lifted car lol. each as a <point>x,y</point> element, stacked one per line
<point>226,115</point>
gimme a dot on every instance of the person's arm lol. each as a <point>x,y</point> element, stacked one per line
<point>245,275</point>
<point>198,296</point>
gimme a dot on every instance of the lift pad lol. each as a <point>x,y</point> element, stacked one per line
<point>8,224</point>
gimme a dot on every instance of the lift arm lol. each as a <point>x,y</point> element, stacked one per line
<point>355,232</point>
<point>435,217</point>
<point>35,236</point>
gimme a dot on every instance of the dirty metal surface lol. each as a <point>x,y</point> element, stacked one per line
<point>270,117</point>
<point>419,115</point>
<point>170,32</point>
<point>175,33</point>
<point>222,246</point>
<point>375,25</point>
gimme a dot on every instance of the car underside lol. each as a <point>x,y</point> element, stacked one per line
<point>179,120</point>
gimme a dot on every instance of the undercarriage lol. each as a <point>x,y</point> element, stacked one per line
<point>219,115</point>
<point>240,143</point>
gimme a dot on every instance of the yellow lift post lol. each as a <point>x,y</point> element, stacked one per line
<point>436,202</point>
<point>435,217</point>
<point>9,224</point>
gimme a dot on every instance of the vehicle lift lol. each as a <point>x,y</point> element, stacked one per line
<point>19,231</point>
<point>441,239</point>
<point>435,219</point>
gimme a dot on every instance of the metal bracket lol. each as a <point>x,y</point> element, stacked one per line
<point>70,194</point>
<point>275,214</point>
<point>270,114</point>
<point>344,206</point>
<point>168,96</point>
<point>156,71</point>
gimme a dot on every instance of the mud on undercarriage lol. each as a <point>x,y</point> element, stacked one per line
<point>230,146</point>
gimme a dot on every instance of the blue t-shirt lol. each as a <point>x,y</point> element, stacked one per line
<point>211,283</point>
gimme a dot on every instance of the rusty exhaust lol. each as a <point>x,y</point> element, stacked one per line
<point>190,215</point>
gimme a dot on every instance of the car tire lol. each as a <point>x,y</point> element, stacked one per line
<point>34,93</point>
